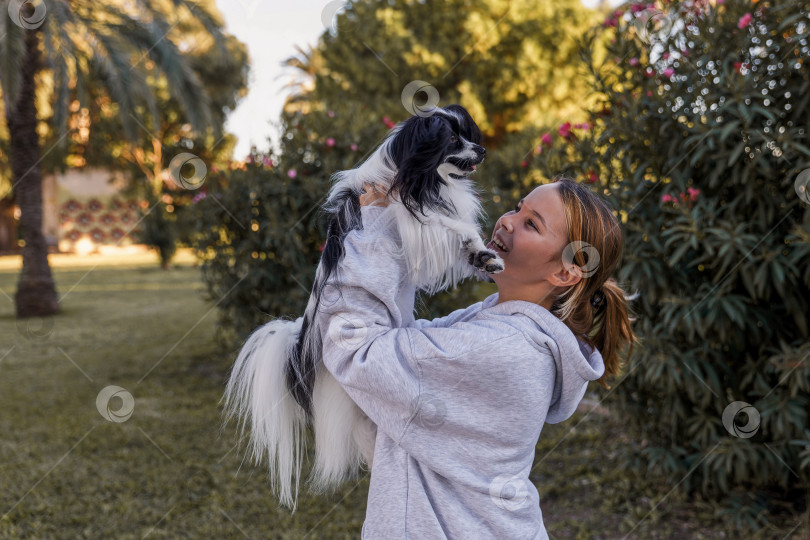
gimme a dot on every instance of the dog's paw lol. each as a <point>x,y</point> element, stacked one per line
<point>487,260</point>
<point>495,265</point>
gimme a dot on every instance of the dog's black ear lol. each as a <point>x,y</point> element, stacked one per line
<point>418,150</point>
<point>467,126</point>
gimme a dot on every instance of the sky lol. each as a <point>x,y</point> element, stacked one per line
<point>271,29</point>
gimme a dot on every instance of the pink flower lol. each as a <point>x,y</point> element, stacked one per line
<point>387,121</point>
<point>292,173</point>
<point>744,21</point>
<point>611,22</point>
<point>564,130</point>
<point>592,178</point>
<point>267,161</point>
<point>322,246</point>
<point>666,56</point>
<point>649,93</point>
<point>649,72</point>
<point>669,72</point>
<point>634,61</point>
<point>636,8</point>
<point>330,142</point>
<point>546,139</point>
<point>353,147</point>
<point>331,114</point>
<point>665,198</point>
<point>524,164</point>
<point>693,193</point>
<point>585,125</point>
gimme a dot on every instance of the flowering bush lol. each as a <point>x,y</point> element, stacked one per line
<point>697,144</point>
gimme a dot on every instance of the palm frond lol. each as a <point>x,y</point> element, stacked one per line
<point>12,55</point>
<point>211,25</point>
<point>58,56</point>
<point>183,82</point>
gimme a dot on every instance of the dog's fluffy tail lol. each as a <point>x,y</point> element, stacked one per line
<point>344,436</point>
<point>257,395</point>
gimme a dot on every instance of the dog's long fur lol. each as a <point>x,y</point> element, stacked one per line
<point>278,384</point>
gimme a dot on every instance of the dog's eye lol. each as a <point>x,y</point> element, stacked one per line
<point>453,138</point>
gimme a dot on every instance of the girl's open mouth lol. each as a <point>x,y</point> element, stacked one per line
<point>493,245</point>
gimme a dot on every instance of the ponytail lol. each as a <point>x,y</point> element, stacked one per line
<point>596,308</point>
<point>611,329</point>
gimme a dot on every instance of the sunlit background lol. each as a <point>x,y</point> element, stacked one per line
<point>272,29</point>
<point>138,249</point>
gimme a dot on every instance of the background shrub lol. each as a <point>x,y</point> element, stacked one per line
<point>698,141</point>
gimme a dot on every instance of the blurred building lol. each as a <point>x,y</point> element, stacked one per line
<point>83,210</point>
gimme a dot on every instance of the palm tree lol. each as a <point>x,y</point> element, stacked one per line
<point>304,66</point>
<point>83,42</point>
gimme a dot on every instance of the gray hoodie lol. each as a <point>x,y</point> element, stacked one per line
<point>459,401</point>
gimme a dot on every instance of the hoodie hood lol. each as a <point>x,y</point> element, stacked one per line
<point>576,362</point>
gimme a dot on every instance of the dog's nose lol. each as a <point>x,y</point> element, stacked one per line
<point>480,150</point>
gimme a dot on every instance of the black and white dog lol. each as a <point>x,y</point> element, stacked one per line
<point>278,384</point>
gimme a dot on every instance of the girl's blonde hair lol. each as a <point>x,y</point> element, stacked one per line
<point>596,308</point>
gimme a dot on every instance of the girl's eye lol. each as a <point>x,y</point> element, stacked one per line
<point>517,210</point>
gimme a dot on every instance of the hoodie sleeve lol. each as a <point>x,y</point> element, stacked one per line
<point>442,322</point>
<point>364,346</point>
<point>467,396</point>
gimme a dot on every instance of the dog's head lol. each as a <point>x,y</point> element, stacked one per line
<point>431,151</point>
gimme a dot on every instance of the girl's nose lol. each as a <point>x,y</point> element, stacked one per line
<point>506,224</point>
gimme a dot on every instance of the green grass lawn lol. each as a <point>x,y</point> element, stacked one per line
<point>169,472</point>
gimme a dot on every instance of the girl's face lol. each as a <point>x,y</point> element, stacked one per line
<point>534,235</point>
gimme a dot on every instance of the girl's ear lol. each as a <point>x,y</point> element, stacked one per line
<point>569,274</point>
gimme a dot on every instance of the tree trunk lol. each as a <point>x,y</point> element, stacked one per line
<point>36,292</point>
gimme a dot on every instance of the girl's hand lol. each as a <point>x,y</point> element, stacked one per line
<point>373,196</point>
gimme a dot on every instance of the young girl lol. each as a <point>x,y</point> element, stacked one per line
<point>460,401</point>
